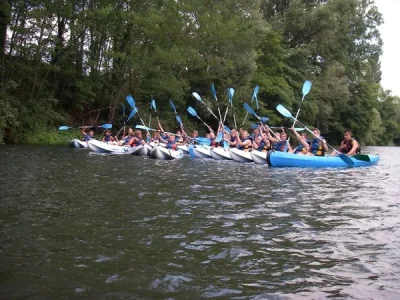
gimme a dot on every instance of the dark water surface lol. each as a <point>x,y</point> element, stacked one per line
<point>80,225</point>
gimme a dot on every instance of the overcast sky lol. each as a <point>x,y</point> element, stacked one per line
<point>390,32</point>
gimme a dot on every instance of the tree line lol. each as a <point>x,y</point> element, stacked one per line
<point>74,62</point>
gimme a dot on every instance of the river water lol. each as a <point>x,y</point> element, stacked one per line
<point>80,225</point>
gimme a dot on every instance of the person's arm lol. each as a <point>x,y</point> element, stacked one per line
<point>353,148</point>
<point>270,137</point>
<point>212,134</point>
<point>159,126</point>
<point>300,139</point>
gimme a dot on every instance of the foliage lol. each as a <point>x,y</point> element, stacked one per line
<point>73,62</point>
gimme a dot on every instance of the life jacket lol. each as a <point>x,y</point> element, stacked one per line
<point>127,139</point>
<point>232,140</point>
<point>87,137</point>
<point>107,138</point>
<point>245,147</point>
<point>347,145</point>
<point>316,147</point>
<point>214,143</point>
<point>137,142</point>
<point>279,146</point>
<point>300,148</point>
<point>155,139</point>
<point>263,146</point>
<point>171,145</point>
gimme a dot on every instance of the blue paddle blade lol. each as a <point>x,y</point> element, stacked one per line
<point>132,114</point>
<point>130,101</point>
<point>249,109</point>
<point>264,119</point>
<point>227,129</point>
<point>226,145</point>
<point>153,104</point>
<point>254,97</point>
<point>213,91</point>
<point>253,126</point>
<point>178,119</point>
<point>197,96</point>
<point>230,91</point>
<point>283,111</point>
<point>106,126</point>
<point>64,128</point>
<point>219,137</point>
<point>172,105</point>
<point>306,87</point>
<point>143,127</point>
<point>192,111</point>
<point>346,159</point>
<point>203,141</point>
<point>191,151</point>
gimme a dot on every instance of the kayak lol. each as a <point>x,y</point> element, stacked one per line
<point>202,151</point>
<point>160,152</point>
<point>220,153</point>
<point>259,157</point>
<point>78,144</point>
<point>142,150</point>
<point>284,159</point>
<point>184,148</point>
<point>102,147</point>
<point>240,155</point>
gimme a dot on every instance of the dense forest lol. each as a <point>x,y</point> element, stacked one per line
<point>74,62</point>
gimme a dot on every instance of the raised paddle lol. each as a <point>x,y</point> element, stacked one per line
<point>197,96</point>
<point>192,111</point>
<point>177,117</point>
<point>252,112</point>
<point>253,97</point>
<point>287,114</point>
<point>130,101</point>
<point>306,89</point>
<point>214,92</point>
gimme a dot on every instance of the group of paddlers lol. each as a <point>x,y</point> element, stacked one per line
<point>262,139</point>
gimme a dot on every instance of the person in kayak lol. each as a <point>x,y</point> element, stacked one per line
<point>303,145</point>
<point>261,142</point>
<point>137,139</point>
<point>349,145</point>
<point>107,137</point>
<point>244,142</point>
<point>318,145</point>
<point>279,143</point>
<point>232,140</point>
<point>126,138</point>
<point>87,136</point>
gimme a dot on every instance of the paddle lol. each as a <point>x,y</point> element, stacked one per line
<point>214,92</point>
<point>253,97</point>
<point>287,114</point>
<point>132,114</point>
<point>177,117</point>
<point>306,89</point>
<point>219,137</point>
<point>104,126</point>
<point>130,101</point>
<point>64,127</point>
<point>194,114</point>
<point>362,157</point>
<point>231,92</point>
<point>252,112</point>
<point>197,96</point>
<point>226,128</point>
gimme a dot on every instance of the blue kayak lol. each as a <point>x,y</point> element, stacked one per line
<point>284,159</point>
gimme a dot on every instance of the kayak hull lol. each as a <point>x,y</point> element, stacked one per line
<point>259,157</point>
<point>159,152</point>
<point>284,159</point>
<point>142,150</point>
<point>241,156</point>
<point>78,144</point>
<point>102,147</point>
<point>220,154</point>
<point>202,152</point>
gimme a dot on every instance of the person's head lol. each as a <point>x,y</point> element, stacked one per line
<point>91,132</point>
<point>207,135</point>
<point>283,136</point>
<point>316,132</point>
<point>171,138</point>
<point>107,132</point>
<point>138,133</point>
<point>179,132</point>
<point>304,136</point>
<point>233,132</point>
<point>256,131</point>
<point>244,134</point>
<point>347,135</point>
<point>156,134</point>
<point>278,135</point>
<point>130,131</point>
<point>195,134</point>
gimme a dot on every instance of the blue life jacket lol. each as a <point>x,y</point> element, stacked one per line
<point>279,146</point>
<point>171,145</point>
<point>87,137</point>
<point>137,143</point>
<point>245,147</point>
<point>301,148</point>
<point>128,139</point>
<point>316,147</point>
<point>107,138</point>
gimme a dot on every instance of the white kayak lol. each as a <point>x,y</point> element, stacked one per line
<point>78,144</point>
<point>202,151</point>
<point>259,157</point>
<point>160,152</point>
<point>184,148</point>
<point>102,147</point>
<point>142,150</point>
<point>240,155</point>
<point>220,153</point>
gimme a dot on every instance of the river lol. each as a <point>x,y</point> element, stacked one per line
<point>80,225</point>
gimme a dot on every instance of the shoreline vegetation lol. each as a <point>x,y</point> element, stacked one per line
<point>73,63</point>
